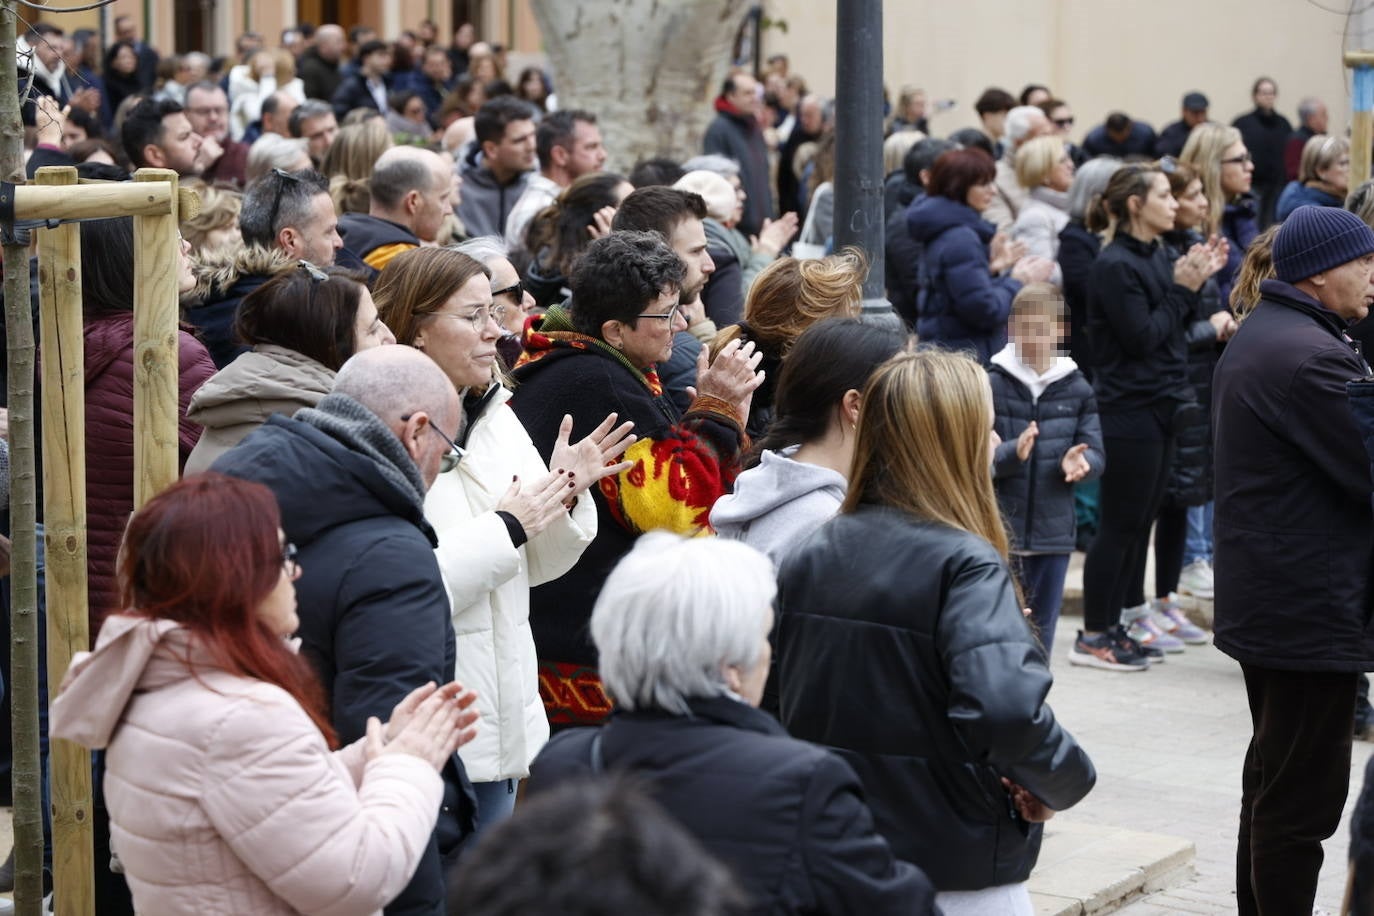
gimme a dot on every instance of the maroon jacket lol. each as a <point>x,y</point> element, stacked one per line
<point>110,442</point>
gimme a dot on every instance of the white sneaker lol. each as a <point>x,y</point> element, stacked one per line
<point>1196,580</point>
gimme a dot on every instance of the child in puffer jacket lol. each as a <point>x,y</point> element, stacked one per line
<point>1046,416</point>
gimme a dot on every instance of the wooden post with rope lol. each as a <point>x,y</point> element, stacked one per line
<point>154,201</point>
<point>1362,114</point>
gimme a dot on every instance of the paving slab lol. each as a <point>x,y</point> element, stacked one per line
<point>1086,868</point>
<point>1168,744</point>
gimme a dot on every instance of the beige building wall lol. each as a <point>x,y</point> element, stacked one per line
<point>1139,56</point>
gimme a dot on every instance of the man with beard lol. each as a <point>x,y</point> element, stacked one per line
<point>676,216</point>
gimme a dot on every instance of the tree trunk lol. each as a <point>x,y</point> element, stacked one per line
<point>28,820</point>
<point>649,69</point>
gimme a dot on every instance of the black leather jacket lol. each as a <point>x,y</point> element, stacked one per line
<point>901,645</point>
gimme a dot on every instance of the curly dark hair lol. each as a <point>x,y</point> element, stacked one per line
<point>618,276</point>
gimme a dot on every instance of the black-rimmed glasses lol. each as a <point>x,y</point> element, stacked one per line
<point>283,177</point>
<point>450,459</point>
<point>670,315</point>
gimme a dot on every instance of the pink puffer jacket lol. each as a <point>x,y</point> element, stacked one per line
<point>224,797</point>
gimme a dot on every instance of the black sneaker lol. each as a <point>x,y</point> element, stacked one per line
<point>1128,643</point>
<point>1105,651</point>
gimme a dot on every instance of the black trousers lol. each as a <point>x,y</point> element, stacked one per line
<point>1132,490</point>
<point>1293,788</point>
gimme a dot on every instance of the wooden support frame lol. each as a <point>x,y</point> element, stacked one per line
<point>154,200</point>
<point>1362,114</point>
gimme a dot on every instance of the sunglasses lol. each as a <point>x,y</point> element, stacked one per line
<point>1063,122</point>
<point>283,177</point>
<point>516,292</point>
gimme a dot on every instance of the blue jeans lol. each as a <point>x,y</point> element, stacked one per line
<point>1198,545</point>
<point>495,802</point>
<point>1042,579</point>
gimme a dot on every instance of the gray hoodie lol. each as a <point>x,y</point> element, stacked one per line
<point>778,503</point>
<point>485,203</point>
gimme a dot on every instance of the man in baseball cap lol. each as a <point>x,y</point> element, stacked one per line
<point>1173,136</point>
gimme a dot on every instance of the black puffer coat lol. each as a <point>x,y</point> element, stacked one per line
<point>1036,501</point>
<point>1190,478</point>
<point>901,645</point>
<point>786,817</point>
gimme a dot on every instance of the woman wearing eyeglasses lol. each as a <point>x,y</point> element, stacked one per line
<point>1323,176</point>
<point>302,325</point>
<point>226,787</point>
<point>602,357</point>
<point>506,521</point>
<point>1227,170</point>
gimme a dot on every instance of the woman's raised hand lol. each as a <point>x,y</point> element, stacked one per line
<point>536,506</point>
<point>732,376</point>
<point>430,723</point>
<point>589,459</point>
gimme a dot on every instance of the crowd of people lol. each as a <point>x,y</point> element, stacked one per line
<point>507,475</point>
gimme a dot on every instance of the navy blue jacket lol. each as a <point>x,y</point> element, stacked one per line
<point>1140,142</point>
<point>374,613</point>
<point>1296,194</point>
<point>1294,530</point>
<point>902,261</point>
<point>786,817</point>
<point>1035,500</point>
<point>1172,139</point>
<point>961,305</point>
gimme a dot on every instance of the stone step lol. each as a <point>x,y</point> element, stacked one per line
<point>1089,869</point>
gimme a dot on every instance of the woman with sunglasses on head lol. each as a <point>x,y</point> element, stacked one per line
<point>598,357</point>
<point>1227,169</point>
<point>302,325</point>
<point>1139,305</point>
<point>226,787</point>
<point>506,521</point>
<point>1323,176</point>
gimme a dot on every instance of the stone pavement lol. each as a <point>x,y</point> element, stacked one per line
<point>1168,744</point>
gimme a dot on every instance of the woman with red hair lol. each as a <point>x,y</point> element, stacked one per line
<point>965,298</point>
<point>225,792</point>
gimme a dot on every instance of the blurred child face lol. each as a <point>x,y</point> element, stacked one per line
<point>1038,334</point>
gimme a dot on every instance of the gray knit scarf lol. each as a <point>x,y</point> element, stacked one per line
<point>344,419</point>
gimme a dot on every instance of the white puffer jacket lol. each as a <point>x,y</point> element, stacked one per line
<point>489,583</point>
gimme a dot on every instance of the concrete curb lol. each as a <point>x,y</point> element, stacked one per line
<point>1085,869</point>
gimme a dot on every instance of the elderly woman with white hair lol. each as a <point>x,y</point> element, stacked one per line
<point>682,629</point>
<point>273,151</point>
<point>738,259</point>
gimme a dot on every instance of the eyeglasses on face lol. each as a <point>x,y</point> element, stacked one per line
<point>1239,160</point>
<point>450,459</point>
<point>516,292</point>
<point>670,316</point>
<point>479,317</point>
<point>1064,122</point>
